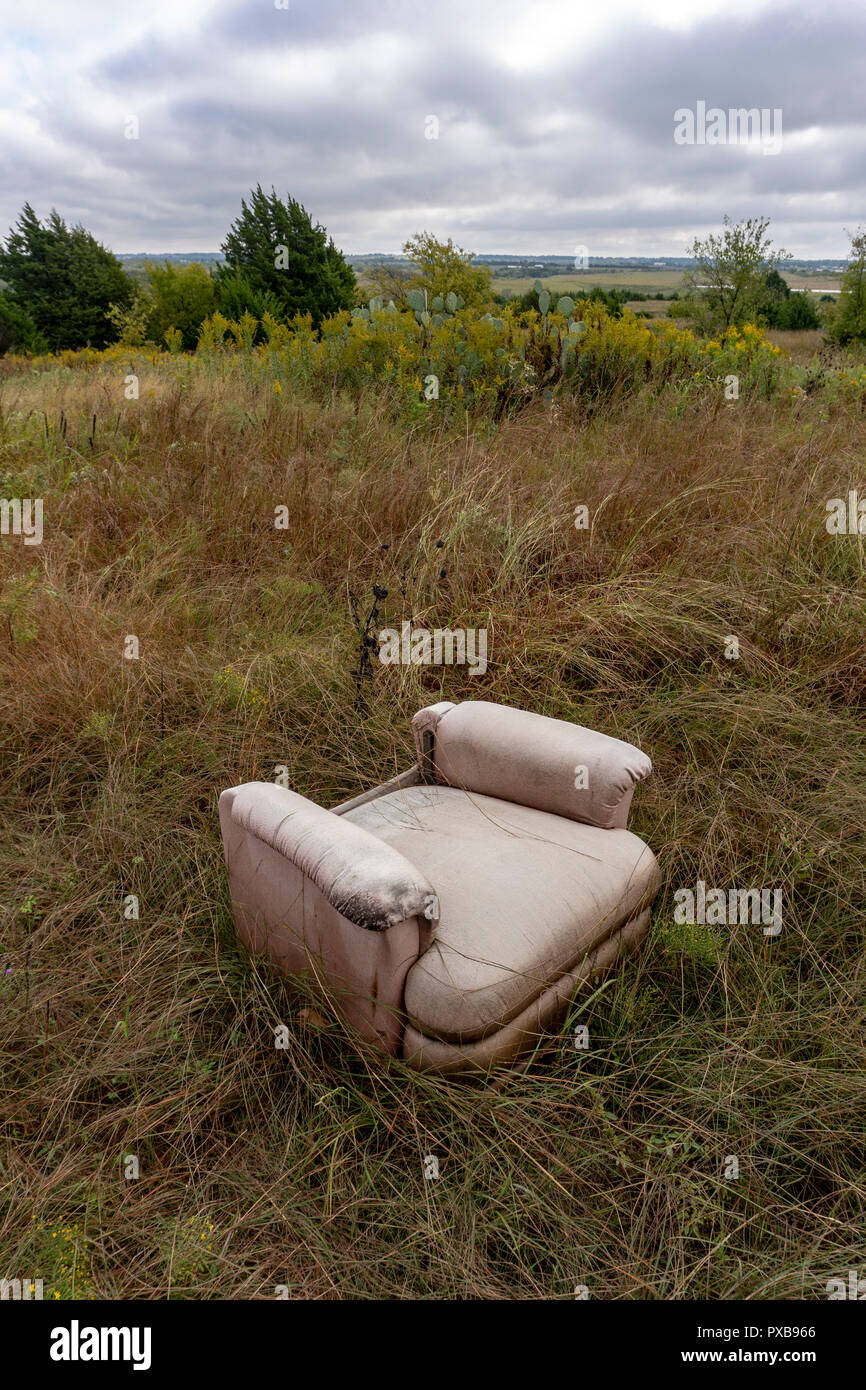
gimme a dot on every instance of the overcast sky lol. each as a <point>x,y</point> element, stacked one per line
<point>555,119</point>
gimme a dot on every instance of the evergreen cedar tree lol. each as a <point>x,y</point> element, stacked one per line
<point>277,260</point>
<point>18,332</point>
<point>63,281</point>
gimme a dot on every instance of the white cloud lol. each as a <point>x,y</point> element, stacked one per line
<point>556,119</point>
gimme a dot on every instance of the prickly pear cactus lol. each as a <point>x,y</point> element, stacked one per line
<point>417,301</point>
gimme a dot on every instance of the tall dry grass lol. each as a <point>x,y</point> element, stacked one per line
<point>155,1037</point>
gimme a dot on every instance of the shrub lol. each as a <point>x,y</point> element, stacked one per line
<point>130,322</point>
<point>237,295</point>
<point>181,297</point>
<point>442,268</point>
<point>18,332</point>
<point>465,360</point>
<point>849,322</point>
<point>796,312</point>
<point>782,309</point>
<point>729,283</point>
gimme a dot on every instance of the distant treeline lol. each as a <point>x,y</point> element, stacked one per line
<point>61,289</point>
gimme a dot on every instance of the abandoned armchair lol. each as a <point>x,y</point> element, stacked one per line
<point>454,910</point>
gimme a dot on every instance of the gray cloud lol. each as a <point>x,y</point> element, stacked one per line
<point>329,101</point>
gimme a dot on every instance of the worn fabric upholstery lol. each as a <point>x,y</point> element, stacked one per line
<point>523,896</point>
<point>521,1034</point>
<point>288,878</point>
<point>533,760</point>
<point>361,879</point>
<point>452,912</point>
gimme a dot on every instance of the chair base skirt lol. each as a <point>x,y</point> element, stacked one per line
<point>544,1014</point>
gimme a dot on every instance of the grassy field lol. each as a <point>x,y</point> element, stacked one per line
<point>647,281</point>
<point>571,283</point>
<point>802,346</point>
<point>153,1038</point>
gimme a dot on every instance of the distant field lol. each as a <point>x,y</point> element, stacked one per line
<point>663,280</point>
<point>646,281</point>
<point>656,308</point>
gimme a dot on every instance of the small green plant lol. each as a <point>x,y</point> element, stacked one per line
<point>63,1258</point>
<point>237,692</point>
<point>130,321</point>
<point>191,1255</point>
<point>699,941</point>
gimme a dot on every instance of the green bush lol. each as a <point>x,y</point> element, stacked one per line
<point>455,359</point>
<point>237,295</point>
<point>18,332</point>
<point>182,297</point>
<point>797,311</point>
<point>442,268</point>
<point>613,301</point>
<point>849,322</point>
<point>782,309</point>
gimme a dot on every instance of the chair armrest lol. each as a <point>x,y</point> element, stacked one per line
<point>364,879</point>
<point>549,764</point>
<point>410,778</point>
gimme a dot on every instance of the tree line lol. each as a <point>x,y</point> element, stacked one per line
<point>61,288</point>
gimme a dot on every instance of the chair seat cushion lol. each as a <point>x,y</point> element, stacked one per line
<point>523,895</point>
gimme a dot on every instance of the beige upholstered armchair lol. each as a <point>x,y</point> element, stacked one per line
<point>454,910</point>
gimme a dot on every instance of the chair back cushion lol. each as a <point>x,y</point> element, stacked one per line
<point>527,758</point>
